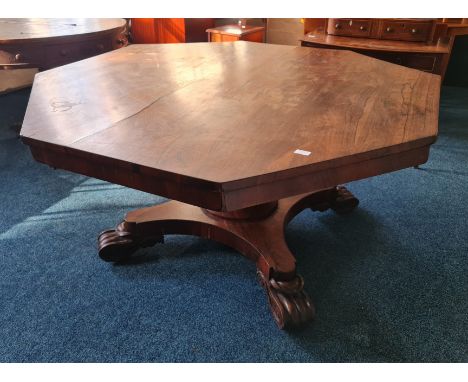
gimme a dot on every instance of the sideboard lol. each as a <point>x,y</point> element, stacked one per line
<point>423,44</point>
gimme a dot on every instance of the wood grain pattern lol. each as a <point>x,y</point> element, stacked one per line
<point>428,62</point>
<point>211,123</point>
<point>156,31</point>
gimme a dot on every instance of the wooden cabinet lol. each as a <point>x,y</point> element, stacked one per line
<point>406,42</point>
<point>349,27</point>
<point>169,30</point>
<point>235,33</point>
<point>387,29</point>
<point>416,55</point>
<point>409,30</point>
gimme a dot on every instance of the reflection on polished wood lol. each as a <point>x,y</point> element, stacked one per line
<point>11,80</point>
<point>236,33</point>
<point>375,44</point>
<point>222,122</point>
<point>239,129</point>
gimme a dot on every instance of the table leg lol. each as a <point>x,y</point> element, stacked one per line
<point>256,232</point>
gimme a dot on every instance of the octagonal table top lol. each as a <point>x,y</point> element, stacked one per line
<point>218,117</point>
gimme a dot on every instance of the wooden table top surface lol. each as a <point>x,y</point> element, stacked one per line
<point>20,30</point>
<point>232,114</point>
<point>375,44</point>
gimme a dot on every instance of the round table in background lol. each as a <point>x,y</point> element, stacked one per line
<point>41,44</point>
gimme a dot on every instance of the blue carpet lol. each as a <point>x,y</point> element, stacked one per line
<point>389,281</point>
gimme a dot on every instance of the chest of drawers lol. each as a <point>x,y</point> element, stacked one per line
<point>421,30</point>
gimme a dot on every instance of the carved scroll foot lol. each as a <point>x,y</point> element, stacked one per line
<point>344,202</point>
<point>116,245</point>
<point>257,232</point>
<point>338,198</point>
<point>289,303</point>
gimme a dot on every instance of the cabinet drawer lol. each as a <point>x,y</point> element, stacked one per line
<point>406,31</point>
<point>349,27</point>
<point>424,62</point>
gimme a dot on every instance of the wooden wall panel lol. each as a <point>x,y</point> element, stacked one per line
<point>153,31</point>
<point>170,30</point>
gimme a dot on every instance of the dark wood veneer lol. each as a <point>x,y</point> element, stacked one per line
<point>219,126</point>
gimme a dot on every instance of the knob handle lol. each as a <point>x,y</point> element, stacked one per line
<point>389,29</point>
<point>18,57</point>
<point>362,27</point>
<point>337,26</point>
<point>414,30</point>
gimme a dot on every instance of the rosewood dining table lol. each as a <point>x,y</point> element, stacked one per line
<point>240,136</point>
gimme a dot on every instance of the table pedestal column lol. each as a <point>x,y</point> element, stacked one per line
<point>256,232</point>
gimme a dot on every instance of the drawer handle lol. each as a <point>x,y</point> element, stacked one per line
<point>362,27</point>
<point>414,30</point>
<point>389,29</point>
<point>18,57</point>
<point>337,26</point>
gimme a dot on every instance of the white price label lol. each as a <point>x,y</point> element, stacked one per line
<point>302,152</point>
